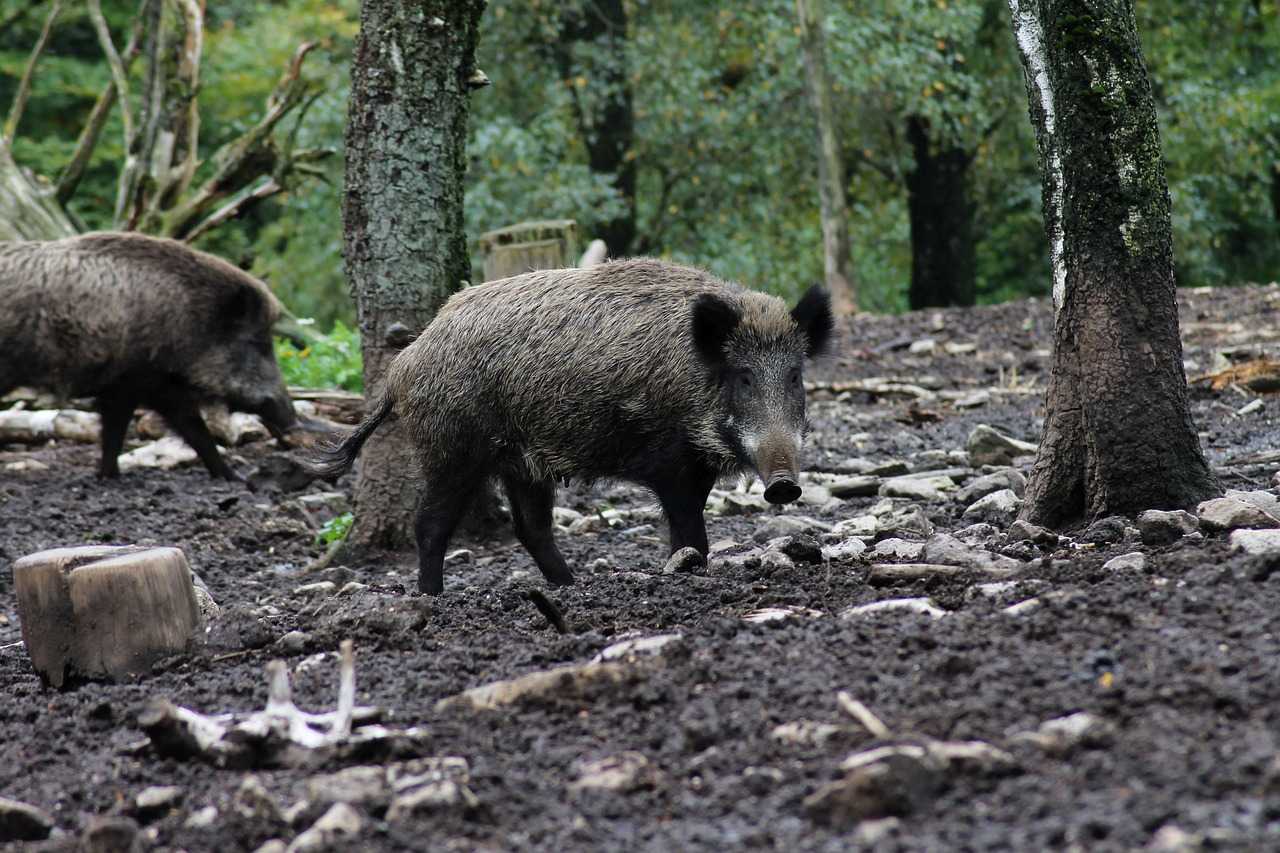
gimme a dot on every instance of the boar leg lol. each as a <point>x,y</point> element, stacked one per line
<point>184,417</point>
<point>116,411</point>
<point>440,508</point>
<point>683,499</point>
<point>531,502</point>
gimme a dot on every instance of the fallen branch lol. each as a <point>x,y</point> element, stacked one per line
<point>863,715</point>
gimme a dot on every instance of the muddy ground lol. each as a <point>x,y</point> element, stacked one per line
<point>1178,663</point>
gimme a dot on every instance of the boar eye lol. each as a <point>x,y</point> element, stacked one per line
<point>794,378</point>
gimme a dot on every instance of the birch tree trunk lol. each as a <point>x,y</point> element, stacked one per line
<point>831,177</point>
<point>1118,436</point>
<point>405,246</point>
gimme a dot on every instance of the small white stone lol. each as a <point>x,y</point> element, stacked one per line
<point>1256,541</point>
<point>899,549</point>
<point>852,547</point>
<point>999,508</point>
<point>1134,561</point>
<point>915,605</point>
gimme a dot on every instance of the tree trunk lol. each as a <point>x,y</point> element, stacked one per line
<point>940,203</point>
<point>1118,436</point>
<point>832,188</point>
<point>28,210</point>
<point>608,130</point>
<point>406,248</point>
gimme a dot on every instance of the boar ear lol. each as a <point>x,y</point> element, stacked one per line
<point>714,320</point>
<point>813,315</point>
<point>239,307</point>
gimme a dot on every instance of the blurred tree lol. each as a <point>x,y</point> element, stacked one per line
<point>406,250</point>
<point>159,122</point>
<point>1118,436</point>
<point>832,185</point>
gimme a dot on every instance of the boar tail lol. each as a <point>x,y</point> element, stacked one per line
<point>333,460</point>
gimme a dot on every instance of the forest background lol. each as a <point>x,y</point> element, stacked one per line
<point>680,128</point>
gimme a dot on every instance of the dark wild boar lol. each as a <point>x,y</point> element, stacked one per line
<point>639,370</point>
<point>136,321</point>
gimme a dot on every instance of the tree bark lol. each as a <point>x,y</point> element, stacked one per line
<point>405,244</point>
<point>1118,435</point>
<point>940,204</point>
<point>608,131</point>
<point>832,187</point>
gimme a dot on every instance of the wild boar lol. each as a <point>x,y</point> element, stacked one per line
<point>132,321</point>
<point>639,370</point>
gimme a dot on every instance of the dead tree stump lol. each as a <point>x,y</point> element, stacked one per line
<point>528,246</point>
<point>105,611</point>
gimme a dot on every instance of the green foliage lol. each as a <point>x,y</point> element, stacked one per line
<point>335,529</point>
<point>332,361</point>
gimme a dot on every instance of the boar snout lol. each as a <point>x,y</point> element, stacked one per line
<point>777,464</point>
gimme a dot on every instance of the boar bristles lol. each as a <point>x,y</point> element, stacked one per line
<point>333,460</point>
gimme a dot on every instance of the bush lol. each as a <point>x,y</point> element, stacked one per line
<point>330,361</point>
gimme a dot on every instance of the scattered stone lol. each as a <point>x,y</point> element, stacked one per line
<point>894,785</point>
<point>564,516</point>
<point>908,521</point>
<point>1221,514</point>
<point>776,561</point>
<point>351,588</point>
<point>1263,500</point>
<point>800,547</point>
<point>1174,839</point>
<point>915,605</point>
<point>888,468</point>
<point>729,504</point>
<point>156,800</point>
<point>638,647</point>
<point>166,453</point>
<point>253,802</point>
<point>882,574</point>
<point>31,465</point>
<point>1060,736</point>
<point>980,487</point>
<point>864,526</point>
<point>1025,531</point>
<point>1106,531</point>
<point>898,549</point>
<point>805,733</point>
<point>845,550</point>
<point>959,348</point>
<point>319,589</point>
<point>210,612</point>
<point>460,557</point>
<point>924,346</point>
<point>20,821</point>
<point>787,525</point>
<point>340,823</point>
<point>929,489</point>
<point>761,780</point>
<point>855,487</point>
<point>293,642</point>
<point>979,534</point>
<point>973,400</point>
<point>1134,561</point>
<point>202,818</point>
<point>622,773</point>
<point>1022,608</point>
<point>1160,527</point>
<point>870,833</point>
<point>362,786</point>
<point>996,508</point>
<point>1256,541</point>
<point>942,548</point>
<point>685,560</point>
<point>110,834</point>
<point>274,845</point>
<point>987,446</point>
<point>780,614</point>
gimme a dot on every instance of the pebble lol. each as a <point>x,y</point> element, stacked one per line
<point>786,525</point>
<point>773,561</point>
<point>202,818</point>
<point>340,822</point>
<point>800,547</point>
<point>1134,561</point>
<point>1106,531</point>
<point>624,772</point>
<point>1025,531</point>
<point>1062,735</point>
<point>1160,527</point>
<point>898,549</point>
<point>651,646</point>
<point>863,486</point>
<point>915,605</point>
<point>564,516</point>
<point>928,489</point>
<point>845,550</point>
<point>685,560</point>
<point>1256,541</point>
<point>157,799</point>
<point>1232,513</point>
<point>1263,500</point>
<point>908,521</point>
<point>445,794</point>
<point>364,785</point>
<point>319,589</point>
<point>783,613</point>
<point>987,446</point>
<point>1009,478</point>
<point>109,834</point>
<point>804,733</point>
<point>21,821</point>
<point>1000,508</point>
<point>897,782</point>
<point>943,548</point>
<point>859,525</point>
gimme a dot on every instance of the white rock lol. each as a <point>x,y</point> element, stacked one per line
<point>626,771</point>
<point>564,516</point>
<point>929,489</point>
<point>202,818</point>
<point>651,646</point>
<point>1160,527</point>
<point>1263,500</point>
<point>1256,541</point>
<point>319,589</point>
<point>859,525</point>
<point>780,614</point>
<point>915,605</point>
<point>1134,561</point>
<point>910,520</point>
<point>996,508</point>
<point>987,446</point>
<point>1232,514</point>
<point>973,400</point>
<point>1059,736</point>
<point>899,549</point>
<point>852,547</point>
<point>980,487</point>
<point>922,346</point>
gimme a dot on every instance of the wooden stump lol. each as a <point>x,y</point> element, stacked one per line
<point>105,611</point>
<point>528,246</point>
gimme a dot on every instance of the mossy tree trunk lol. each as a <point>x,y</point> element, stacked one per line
<point>405,245</point>
<point>1118,435</point>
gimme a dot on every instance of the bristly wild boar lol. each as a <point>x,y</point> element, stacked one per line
<point>136,321</point>
<point>639,370</point>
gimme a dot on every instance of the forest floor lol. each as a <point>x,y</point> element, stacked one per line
<point>1172,666</point>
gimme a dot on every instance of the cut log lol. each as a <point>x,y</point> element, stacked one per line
<point>28,427</point>
<point>105,611</point>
